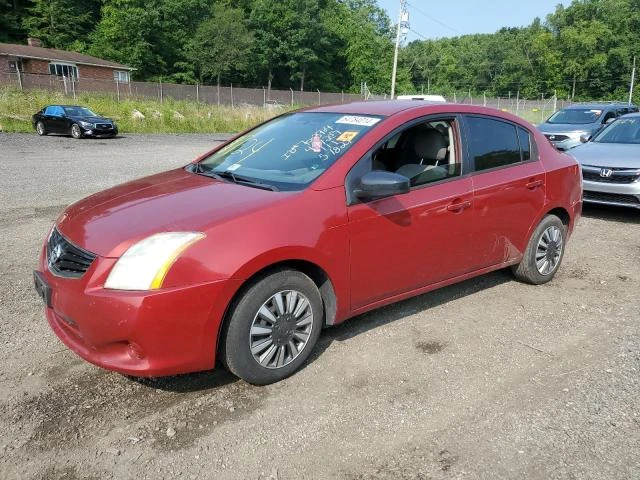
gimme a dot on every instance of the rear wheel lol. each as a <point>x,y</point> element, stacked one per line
<point>76,132</point>
<point>273,328</point>
<point>544,253</point>
<point>40,129</point>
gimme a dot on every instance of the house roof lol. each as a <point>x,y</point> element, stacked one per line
<point>27,51</point>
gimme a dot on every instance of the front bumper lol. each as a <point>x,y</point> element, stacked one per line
<point>566,144</point>
<point>155,333</point>
<point>99,132</point>
<point>621,195</point>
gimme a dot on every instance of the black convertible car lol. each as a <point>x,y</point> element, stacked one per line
<point>73,120</point>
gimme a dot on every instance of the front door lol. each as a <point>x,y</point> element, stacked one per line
<point>405,242</point>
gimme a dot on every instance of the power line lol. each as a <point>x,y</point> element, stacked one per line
<point>434,19</point>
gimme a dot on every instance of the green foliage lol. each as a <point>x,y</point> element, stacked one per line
<point>220,45</point>
<point>60,23</point>
<point>583,50</point>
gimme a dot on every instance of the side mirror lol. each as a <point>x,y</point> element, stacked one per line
<point>380,184</point>
<point>585,138</point>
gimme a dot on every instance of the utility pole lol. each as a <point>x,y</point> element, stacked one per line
<point>401,34</point>
<point>633,80</point>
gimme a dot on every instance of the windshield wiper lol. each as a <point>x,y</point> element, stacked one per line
<point>238,179</point>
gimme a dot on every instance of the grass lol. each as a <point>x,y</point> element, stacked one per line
<point>171,116</point>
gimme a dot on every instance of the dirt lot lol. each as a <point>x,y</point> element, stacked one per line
<point>487,379</point>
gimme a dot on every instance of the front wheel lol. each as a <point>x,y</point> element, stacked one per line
<point>40,129</point>
<point>544,253</point>
<point>273,328</point>
<point>76,131</point>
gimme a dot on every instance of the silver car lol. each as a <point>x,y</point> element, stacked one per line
<point>611,164</point>
<point>565,127</point>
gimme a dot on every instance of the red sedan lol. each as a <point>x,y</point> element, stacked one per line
<point>302,222</point>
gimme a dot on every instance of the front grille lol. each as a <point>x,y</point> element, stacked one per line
<point>557,138</point>
<point>66,259</point>
<point>104,126</point>
<point>611,198</point>
<point>615,178</point>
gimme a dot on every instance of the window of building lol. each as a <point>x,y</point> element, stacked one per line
<point>121,76</point>
<point>63,70</point>
<point>15,65</point>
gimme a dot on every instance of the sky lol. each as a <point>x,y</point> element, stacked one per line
<point>455,17</point>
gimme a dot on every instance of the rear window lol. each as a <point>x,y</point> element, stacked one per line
<point>493,143</point>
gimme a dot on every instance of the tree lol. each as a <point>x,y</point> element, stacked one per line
<point>221,44</point>
<point>60,23</point>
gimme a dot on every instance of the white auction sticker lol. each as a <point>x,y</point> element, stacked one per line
<point>354,120</point>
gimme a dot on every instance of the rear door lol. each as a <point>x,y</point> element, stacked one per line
<point>508,187</point>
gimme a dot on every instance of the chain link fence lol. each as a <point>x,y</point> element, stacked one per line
<point>221,95</point>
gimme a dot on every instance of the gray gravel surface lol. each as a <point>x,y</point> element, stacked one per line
<point>486,379</point>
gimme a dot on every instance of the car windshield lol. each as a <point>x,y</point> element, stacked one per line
<point>624,130</point>
<point>576,116</point>
<point>78,112</point>
<point>289,152</point>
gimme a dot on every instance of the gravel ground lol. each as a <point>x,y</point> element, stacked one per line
<point>486,379</point>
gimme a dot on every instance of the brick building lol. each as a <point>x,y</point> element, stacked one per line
<point>33,59</point>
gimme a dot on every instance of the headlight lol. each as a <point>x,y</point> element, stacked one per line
<point>87,124</point>
<point>114,125</point>
<point>145,264</point>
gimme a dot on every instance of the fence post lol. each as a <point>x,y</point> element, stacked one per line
<point>73,86</point>
<point>555,100</point>
<point>518,101</point>
<point>470,97</point>
<point>484,98</point>
<point>118,89</point>
<point>64,80</point>
<point>342,96</point>
<point>197,92</point>
<point>264,96</point>
<point>232,95</point>
<point>19,75</point>
<point>218,91</point>
<point>161,96</point>
<point>318,96</point>
<point>291,96</point>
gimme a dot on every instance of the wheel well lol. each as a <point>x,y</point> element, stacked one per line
<point>313,271</point>
<point>562,214</point>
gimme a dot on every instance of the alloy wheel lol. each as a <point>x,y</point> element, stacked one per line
<point>549,250</point>
<point>281,329</point>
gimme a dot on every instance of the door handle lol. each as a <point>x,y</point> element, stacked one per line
<point>533,184</point>
<point>459,206</point>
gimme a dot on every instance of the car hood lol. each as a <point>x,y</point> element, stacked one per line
<point>92,119</point>
<point>614,155</point>
<point>108,222</point>
<point>566,127</point>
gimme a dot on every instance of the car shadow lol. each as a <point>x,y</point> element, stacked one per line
<point>611,213</point>
<point>397,311</point>
<point>212,379</point>
<point>189,382</point>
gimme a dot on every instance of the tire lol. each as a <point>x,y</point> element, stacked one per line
<point>41,129</point>
<point>540,263</point>
<point>76,131</point>
<point>281,343</point>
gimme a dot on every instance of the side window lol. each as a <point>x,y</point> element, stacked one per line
<point>609,116</point>
<point>48,111</point>
<point>492,143</point>
<point>424,153</point>
<point>525,144</point>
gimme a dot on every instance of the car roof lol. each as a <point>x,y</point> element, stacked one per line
<point>387,108</point>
